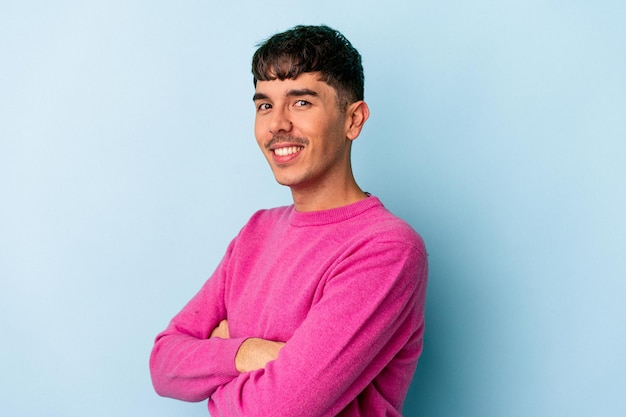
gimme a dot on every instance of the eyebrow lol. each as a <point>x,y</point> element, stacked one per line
<point>291,93</point>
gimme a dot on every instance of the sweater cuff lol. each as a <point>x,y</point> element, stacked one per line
<point>226,352</point>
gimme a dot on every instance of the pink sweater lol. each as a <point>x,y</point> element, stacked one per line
<point>344,288</point>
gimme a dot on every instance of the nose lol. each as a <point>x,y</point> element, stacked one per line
<point>280,121</point>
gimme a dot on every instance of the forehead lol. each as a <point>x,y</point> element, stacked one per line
<point>306,81</point>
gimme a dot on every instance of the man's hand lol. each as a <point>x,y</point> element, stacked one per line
<point>221,330</point>
<point>254,353</point>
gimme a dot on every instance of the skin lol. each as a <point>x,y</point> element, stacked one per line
<point>306,138</point>
<point>254,353</point>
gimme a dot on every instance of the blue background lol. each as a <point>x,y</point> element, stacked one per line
<point>128,162</point>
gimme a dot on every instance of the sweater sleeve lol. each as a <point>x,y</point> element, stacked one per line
<point>185,363</point>
<point>371,308</point>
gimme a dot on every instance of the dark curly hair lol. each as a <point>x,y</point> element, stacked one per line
<point>320,49</point>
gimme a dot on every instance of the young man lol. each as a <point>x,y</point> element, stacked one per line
<point>317,309</point>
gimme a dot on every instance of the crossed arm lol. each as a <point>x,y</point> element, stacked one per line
<point>197,357</point>
<point>254,353</point>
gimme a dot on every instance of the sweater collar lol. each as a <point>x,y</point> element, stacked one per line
<point>335,215</point>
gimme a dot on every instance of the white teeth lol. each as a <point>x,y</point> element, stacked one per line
<point>287,151</point>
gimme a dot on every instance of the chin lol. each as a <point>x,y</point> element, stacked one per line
<point>283,181</point>
<point>281,178</point>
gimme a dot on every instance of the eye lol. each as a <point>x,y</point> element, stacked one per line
<point>263,106</point>
<point>301,103</point>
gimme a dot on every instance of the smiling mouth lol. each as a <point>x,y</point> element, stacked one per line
<point>288,150</point>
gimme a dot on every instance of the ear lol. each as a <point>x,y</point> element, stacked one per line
<point>356,115</point>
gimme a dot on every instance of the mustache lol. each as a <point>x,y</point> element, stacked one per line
<point>277,139</point>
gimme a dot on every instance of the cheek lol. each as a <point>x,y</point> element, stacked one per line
<point>259,132</point>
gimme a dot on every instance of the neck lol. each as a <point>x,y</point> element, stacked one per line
<point>324,198</point>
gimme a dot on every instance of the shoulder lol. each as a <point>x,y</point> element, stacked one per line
<point>268,216</point>
<point>382,226</point>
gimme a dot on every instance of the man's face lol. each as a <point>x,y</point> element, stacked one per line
<point>301,131</point>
